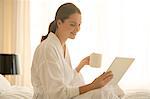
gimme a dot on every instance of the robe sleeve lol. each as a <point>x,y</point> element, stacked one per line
<point>51,77</point>
<point>78,79</point>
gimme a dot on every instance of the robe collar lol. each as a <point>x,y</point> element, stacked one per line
<point>57,42</point>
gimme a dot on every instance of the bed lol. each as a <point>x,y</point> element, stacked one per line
<point>19,92</point>
<point>13,92</point>
<point>137,94</point>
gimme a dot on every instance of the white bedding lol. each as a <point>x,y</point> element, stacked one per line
<point>16,92</point>
<point>137,94</point>
<point>13,92</point>
<point>19,92</point>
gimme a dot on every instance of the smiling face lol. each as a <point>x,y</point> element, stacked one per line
<point>70,26</point>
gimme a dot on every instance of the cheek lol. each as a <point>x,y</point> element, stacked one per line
<point>69,29</point>
<point>72,28</point>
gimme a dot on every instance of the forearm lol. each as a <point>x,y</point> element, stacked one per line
<point>79,67</point>
<point>82,63</point>
<point>86,88</point>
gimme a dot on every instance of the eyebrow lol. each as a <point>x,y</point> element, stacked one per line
<point>73,22</point>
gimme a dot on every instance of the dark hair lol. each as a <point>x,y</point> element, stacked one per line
<point>63,12</point>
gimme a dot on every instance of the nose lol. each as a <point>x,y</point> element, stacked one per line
<point>77,28</point>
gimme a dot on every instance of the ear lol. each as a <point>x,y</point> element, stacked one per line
<point>59,23</point>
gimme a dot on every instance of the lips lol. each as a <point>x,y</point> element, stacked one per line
<point>73,33</point>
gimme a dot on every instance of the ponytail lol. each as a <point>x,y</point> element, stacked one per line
<point>52,28</point>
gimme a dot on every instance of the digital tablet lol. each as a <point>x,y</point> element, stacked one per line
<point>118,67</point>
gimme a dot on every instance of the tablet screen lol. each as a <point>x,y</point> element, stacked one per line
<point>118,67</point>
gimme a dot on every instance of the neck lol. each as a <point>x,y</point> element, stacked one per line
<point>61,38</point>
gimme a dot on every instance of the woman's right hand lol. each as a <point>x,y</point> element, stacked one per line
<point>102,80</point>
<point>99,82</point>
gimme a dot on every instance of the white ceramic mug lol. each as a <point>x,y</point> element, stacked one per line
<point>95,60</point>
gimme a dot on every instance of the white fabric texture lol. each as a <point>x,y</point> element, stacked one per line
<point>4,83</point>
<point>53,77</point>
<point>137,94</point>
<point>17,92</point>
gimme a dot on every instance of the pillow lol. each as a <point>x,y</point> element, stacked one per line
<point>4,83</point>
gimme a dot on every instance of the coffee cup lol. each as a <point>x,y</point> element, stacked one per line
<point>95,60</point>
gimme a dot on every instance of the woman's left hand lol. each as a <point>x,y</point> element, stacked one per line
<point>83,62</point>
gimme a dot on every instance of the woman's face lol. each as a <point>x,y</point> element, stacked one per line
<point>70,26</point>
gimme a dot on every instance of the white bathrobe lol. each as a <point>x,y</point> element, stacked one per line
<point>53,77</point>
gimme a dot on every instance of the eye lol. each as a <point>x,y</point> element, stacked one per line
<point>73,25</point>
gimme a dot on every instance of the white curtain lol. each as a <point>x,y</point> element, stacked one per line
<point>110,27</point>
<point>15,36</point>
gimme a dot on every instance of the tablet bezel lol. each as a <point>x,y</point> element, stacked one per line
<point>116,69</point>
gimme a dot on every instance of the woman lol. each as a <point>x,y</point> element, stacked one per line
<point>51,72</point>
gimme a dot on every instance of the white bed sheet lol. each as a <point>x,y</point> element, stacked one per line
<point>137,94</point>
<point>19,92</point>
<point>16,92</point>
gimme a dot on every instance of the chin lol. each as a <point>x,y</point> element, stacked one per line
<point>72,37</point>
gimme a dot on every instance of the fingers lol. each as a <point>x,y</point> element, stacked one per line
<point>108,78</point>
<point>86,60</point>
<point>107,74</point>
<point>103,79</point>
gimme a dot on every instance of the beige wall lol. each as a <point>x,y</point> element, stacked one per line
<point>8,23</point>
<point>1,24</point>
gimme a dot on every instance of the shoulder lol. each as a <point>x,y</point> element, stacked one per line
<point>43,47</point>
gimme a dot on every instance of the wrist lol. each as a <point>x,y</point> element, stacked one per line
<point>86,88</point>
<point>92,86</point>
<point>79,67</point>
